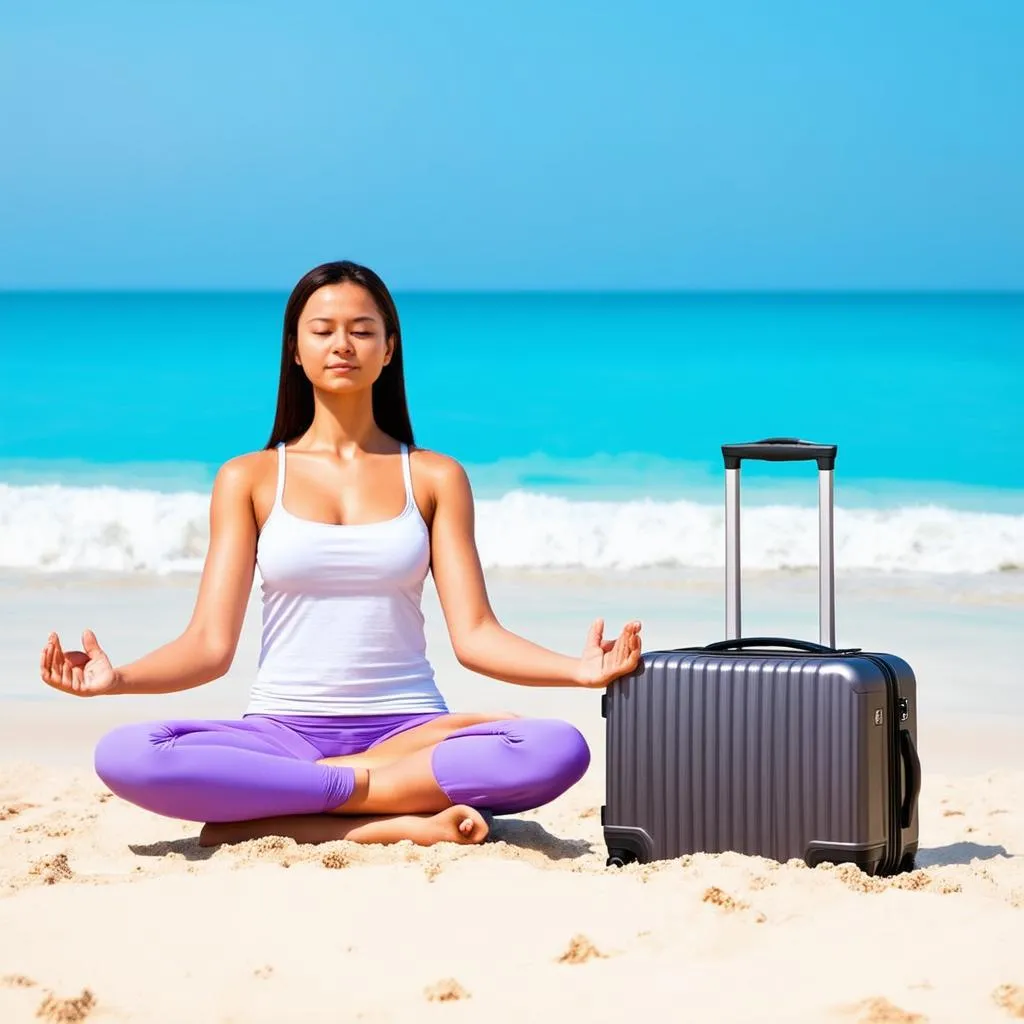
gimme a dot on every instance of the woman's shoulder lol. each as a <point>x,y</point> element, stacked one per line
<point>435,464</point>
<point>246,471</point>
<point>443,472</point>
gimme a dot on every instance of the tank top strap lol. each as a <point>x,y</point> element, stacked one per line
<point>407,475</point>
<point>279,496</point>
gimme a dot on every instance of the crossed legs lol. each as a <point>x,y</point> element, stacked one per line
<point>399,770</point>
<point>424,784</point>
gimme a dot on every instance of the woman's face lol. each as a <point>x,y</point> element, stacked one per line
<point>341,340</point>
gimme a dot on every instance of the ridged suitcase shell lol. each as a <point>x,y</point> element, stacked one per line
<point>766,752</point>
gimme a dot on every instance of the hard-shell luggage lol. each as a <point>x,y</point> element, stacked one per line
<point>762,745</point>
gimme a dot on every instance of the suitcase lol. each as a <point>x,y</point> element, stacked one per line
<point>767,746</point>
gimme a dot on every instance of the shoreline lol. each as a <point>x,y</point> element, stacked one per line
<point>1009,580</point>
<point>961,640</point>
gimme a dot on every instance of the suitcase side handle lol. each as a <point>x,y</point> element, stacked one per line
<point>780,449</point>
<point>809,646</point>
<point>912,769</point>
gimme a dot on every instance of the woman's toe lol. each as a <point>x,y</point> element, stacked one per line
<point>470,825</point>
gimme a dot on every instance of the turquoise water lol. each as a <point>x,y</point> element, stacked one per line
<point>609,397</point>
<point>911,387</point>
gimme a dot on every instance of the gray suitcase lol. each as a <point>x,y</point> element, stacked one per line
<point>761,745</point>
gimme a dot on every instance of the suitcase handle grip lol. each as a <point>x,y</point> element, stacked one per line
<point>780,449</point>
<point>912,768</point>
<point>774,641</point>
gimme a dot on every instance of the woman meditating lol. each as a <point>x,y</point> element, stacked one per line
<point>346,735</point>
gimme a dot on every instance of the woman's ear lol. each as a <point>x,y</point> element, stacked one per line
<point>389,349</point>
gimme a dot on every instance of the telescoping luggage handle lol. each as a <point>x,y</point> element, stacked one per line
<point>782,449</point>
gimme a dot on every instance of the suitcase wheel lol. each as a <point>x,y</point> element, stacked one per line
<point>619,858</point>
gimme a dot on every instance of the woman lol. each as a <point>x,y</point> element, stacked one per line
<point>346,735</point>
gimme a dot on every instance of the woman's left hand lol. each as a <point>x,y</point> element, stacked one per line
<point>605,660</point>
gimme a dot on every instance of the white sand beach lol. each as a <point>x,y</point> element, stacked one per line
<point>108,913</point>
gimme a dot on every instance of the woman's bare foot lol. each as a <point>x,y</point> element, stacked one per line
<point>456,824</point>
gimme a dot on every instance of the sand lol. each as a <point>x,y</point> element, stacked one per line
<point>108,913</point>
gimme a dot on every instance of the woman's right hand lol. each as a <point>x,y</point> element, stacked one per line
<point>86,673</point>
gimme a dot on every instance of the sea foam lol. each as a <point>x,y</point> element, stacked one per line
<point>54,528</point>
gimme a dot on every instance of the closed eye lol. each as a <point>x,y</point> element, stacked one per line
<point>357,334</point>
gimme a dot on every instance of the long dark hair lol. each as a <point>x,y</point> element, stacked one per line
<point>295,392</point>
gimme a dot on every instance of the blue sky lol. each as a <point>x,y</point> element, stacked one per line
<point>548,144</point>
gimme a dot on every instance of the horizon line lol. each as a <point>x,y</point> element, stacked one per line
<point>508,292</point>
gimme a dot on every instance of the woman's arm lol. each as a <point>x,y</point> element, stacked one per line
<point>480,642</point>
<point>206,648</point>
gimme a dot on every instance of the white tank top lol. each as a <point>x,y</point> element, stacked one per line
<point>342,620</point>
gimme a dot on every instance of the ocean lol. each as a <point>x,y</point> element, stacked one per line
<point>590,424</point>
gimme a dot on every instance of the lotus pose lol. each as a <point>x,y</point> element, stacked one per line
<point>346,734</point>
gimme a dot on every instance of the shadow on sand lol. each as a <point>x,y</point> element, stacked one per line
<point>531,835</point>
<point>187,848</point>
<point>958,853</point>
<point>527,835</point>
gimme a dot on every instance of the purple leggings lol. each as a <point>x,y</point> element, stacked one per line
<point>262,766</point>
